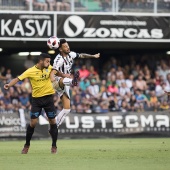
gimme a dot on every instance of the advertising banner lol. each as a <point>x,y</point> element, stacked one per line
<point>83,27</point>
<point>26,26</point>
<point>13,125</point>
<point>114,28</point>
<point>115,124</point>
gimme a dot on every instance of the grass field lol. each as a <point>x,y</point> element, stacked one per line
<point>88,154</point>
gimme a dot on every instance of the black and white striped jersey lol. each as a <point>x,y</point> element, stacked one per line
<point>64,64</point>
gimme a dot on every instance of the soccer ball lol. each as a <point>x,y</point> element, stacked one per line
<point>53,42</point>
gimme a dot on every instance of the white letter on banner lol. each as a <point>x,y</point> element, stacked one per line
<point>130,33</point>
<point>72,126</point>
<point>28,26</point>
<point>157,33</point>
<point>102,32</point>
<point>147,121</point>
<point>49,28</point>
<point>116,32</point>
<point>163,122</point>
<point>131,117</point>
<point>18,28</point>
<point>117,121</point>
<point>40,30</point>
<point>103,120</point>
<point>143,34</point>
<point>87,121</point>
<point>4,27</point>
<point>89,32</point>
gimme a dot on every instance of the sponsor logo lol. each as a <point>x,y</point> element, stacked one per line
<point>27,27</point>
<point>129,121</point>
<point>75,25</point>
<point>10,121</point>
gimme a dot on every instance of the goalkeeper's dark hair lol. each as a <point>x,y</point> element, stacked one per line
<point>42,56</point>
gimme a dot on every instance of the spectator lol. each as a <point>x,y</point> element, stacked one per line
<point>154,101</point>
<point>113,88</point>
<point>93,89</point>
<point>93,74</point>
<point>7,101</point>
<point>24,99</point>
<point>130,81</point>
<point>103,87</point>
<point>132,104</point>
<point>84,73</point>
<point>40,5</point>
<point>26,86</point>
<point>84,84</point>
<point>141,100</point>
<point>52,4</point>
<point>123,89</point>
<point>168,82</point>
<point>106,5</point>
<point>159,90</point>
<point>164,105</point>
<point>64,5</point>
<point>8,75</point>
<point>163,70</point>
<point>120,79</point>
<point>2,77</point>
<point>29,62</point>
<point>140,83</point>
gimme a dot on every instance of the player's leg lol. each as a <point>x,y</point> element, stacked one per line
<point>66,109</point>
<point>54,135</point>
<point>34,114</point>
<point>69,81</point>
<point>51,114</point>
<point>59,83</point>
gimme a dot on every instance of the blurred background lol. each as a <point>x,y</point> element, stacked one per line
<point>119,95</point>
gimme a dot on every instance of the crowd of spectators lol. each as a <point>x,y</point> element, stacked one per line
<point>65,5</point>
<point>133,83</point>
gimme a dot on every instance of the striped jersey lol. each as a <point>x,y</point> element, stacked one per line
<point>64,64</point>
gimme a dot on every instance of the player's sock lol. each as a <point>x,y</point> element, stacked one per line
<point>29,133</point>
<point>67,81</point>
<point>61,116</point>
<point>54,134</point>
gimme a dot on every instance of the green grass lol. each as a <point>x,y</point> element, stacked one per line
<point>88,154</point>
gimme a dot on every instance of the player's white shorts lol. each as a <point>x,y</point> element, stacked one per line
<point>59,90</point>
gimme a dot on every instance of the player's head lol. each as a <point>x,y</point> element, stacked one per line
<point>44,60</point>
<point>64,47</point>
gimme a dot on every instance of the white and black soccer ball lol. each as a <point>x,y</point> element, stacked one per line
<point>53,42</point>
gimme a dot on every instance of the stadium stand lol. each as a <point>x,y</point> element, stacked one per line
<point>125,85</point>
<point>93,5</point>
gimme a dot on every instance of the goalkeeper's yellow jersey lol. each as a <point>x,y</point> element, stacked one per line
<point>40,81</point>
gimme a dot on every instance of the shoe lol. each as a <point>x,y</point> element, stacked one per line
<point>53,149</point>
<point>25,149</point>
<point>75,78</point>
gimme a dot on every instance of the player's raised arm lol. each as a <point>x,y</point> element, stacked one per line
<point>83,55</point>
<point>11,83</point>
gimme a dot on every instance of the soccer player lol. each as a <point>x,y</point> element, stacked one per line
<point>42,97</point>
<point>61,76</point>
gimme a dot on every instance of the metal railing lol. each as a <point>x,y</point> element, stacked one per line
<point>134,6</point>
